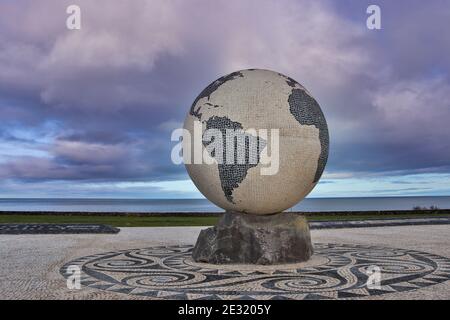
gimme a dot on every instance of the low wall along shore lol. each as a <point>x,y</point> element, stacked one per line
<point>215,214</point>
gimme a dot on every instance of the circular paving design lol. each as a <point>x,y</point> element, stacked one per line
<point>335,271</point>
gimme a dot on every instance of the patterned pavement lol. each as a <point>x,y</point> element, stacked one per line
<point>55,228</point>
<point>155,263</point>
<point>337,271</point>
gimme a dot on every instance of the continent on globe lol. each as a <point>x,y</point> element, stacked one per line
<point>247,101</point>
<point>307,111</point>
<point>209,90</point>
<point>231,175</point>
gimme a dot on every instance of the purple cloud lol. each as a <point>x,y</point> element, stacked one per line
<point>104,98</point>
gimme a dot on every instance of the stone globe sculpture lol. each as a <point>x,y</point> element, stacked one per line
<point>259,144</point>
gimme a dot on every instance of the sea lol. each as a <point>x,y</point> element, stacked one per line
<point>203,205</point>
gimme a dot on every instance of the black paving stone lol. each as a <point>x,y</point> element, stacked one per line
<point>377,223</point>
<point>51,228</point>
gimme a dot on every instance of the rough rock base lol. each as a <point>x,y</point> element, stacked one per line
<point>252,239</point>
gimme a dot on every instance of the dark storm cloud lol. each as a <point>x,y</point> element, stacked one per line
<point>402,107</point>
<point>104,98</point>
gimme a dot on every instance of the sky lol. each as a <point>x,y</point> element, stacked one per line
<point>89,113</point>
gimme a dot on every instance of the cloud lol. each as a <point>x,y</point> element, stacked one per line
<point>99,103</point>
<point>415,109</point>
<point>89,153</point>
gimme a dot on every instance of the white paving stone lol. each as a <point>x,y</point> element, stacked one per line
<point>30,264</point>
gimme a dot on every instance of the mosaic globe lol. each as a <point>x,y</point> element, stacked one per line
<point>263,138</point>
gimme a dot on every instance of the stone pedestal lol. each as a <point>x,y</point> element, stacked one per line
<point>255,239</point>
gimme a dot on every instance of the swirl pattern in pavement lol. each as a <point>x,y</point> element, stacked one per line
<point>335,271</point>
